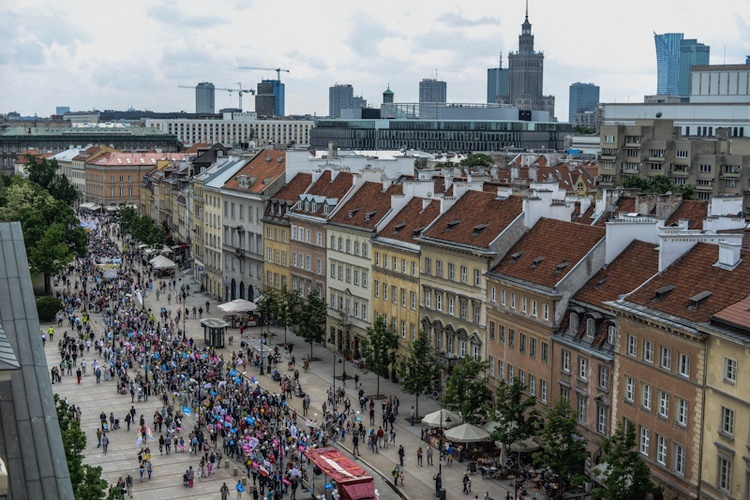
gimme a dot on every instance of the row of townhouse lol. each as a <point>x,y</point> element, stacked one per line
<point>633,308</point>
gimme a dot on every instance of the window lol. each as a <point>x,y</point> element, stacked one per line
<point>403,297</point>
<point>356,276</point>
<point>684,365</point>
<point>428,298</point>
<point>590,327</point>
<point>501,338</point>
<point>581,409</point>
<point>545,352</point>
<point>522,342</point>
<point>682,412</point>
<point>413,299</point>
<point>603,377</point>
<point>646,397</point>
<point>661,449</point>
<point>512,339</point>
<point>730,370</point>
<point>664,404</point>
<point>533,308</point>
<point>645,440</point>
<point>348,275</point>
<point>502,297</point>
<point>543,391</point>
<point>524,303</point>
<point>582,368</point>
<point>439,268</point>
<point>348,246</point>
<point>319,239</point>
<point>364,279</point>
<point>632,345</point>
<point>727,421</point>
<point>512,300</point>
<point>365,250</point>
<point>356,247</point>
<point>477,278</point>
<point>679,459</point>
<point>545,312</point>
<point>501,370</point>
<point>403,266</point>
<point>725,474</point>
<point>491,363</point>
<point>451,271</point>
<point>377,288</point>
<point>412,331</point>
<point>601,419</point>
<point>385,292</point>
<point>413,268</point>
<point>403,329</point>
<point>704,168</point>
<point>532,385</point>
<point>522,376</point>
<point>648,351</point>
<point>394,261</point>
<point>511,374</point>
<point>464,274</point>
<point>439,301</point>
<point>377,257</point>
<point>565,361</point>
<point>532,347</point>
<point>394,293</point>
<point>427,265</point>
<point>462,349</point>
<point>385,261</point>
<point>451,305</point>
<point>666,358</point>
<point>629,389</point>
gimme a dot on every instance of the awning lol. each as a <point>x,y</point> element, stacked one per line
<point>357,491</point>
<point>161,262</point>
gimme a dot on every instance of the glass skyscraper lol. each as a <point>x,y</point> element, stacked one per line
<point>692,53</point>
<point>667,62</point>
<point>583,97</point>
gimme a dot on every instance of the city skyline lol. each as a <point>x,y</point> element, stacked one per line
<point>49,58</point>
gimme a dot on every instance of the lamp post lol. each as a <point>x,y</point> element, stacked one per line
<point>439,492</point>
<point>262,341</point>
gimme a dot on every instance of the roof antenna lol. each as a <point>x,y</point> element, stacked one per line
<point>527,10</point>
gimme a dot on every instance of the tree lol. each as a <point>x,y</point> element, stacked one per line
<point>379,349</point>
<point>658,184</point>
<point>477,160</point>
<point>87,481</point>
<point>141,227</point>
<point>514,414</point>
<point>44,172</point>
<point>626,477</point>
<point>419,369</point>
<point>312,319</point>
<point>288,310</point>
<point>466,392</point>
<point>563,450</point>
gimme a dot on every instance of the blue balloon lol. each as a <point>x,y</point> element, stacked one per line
<point>238,380</point>
<point>249,420</point>
<point>233,373</point>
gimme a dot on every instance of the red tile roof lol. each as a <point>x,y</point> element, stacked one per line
<point>408,224</point>
<point>694,211</point>
<point>636,264</point>
<point>736,315</point>
<point>549,251</point>
<point>476,219</point>
<point>691,275</point>
<point>368,206</point>
<point>323,187</point>
<point>265,168</point>
<point>294,188</point>
<point>625,204</point>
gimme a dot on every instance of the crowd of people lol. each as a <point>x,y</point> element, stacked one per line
<point>225,413</point>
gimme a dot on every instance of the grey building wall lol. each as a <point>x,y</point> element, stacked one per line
<point>205,98</point>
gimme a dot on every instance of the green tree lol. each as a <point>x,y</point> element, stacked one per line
<point>626,477</point>
<point>659,184</point>
<point>563,449</point>
<point>466,390</point>
<point>312,319</point>
<point>141,228</point>
<point>288,310</point>
<point>44,172</point>
<point>87,481</point>
<point>477,160</point>
<point>379,349</point>
<point>514,414</point>
<point>419,369</point>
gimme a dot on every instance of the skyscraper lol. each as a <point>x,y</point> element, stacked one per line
<point>692,53</point>
<point>526,74</point>
<point>583,97</point>
<point>205,99</point>
<point>432,90</point>
<point>278,95</point>
<point>340,96</point>
<point>265,100</point>
<point>497,82</point>
<point>667,62</point>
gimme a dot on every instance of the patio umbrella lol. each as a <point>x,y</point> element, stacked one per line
<point>525,446</point>
<point>467,433</point>
<point>433,419</point>
<point>238,305</point>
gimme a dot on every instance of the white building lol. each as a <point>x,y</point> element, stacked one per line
<point>237,129</point>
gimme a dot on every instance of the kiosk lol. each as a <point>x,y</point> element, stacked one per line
<point>214,330</point>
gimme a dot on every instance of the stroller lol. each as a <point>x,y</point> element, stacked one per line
<point>276,376</point>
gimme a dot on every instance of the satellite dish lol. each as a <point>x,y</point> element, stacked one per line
<point>658,114</point>
<point>383,177</point>
<point>429,194</point>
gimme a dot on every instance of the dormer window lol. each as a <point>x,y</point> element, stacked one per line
<point>697,300</point>
<point>573,322</point>
<point>478,229</point>
<point>561,266</point>
<point>314,207</point>
<point>399,227</point>
<point>516,256</point>
<point>453,224</point>
<point>418,230</point>
<point>352,212</point>
<point>370,215</point>
<point>326,209</point>
<point>590,327</point>
<point>537,261</point>
<point>661,293</point>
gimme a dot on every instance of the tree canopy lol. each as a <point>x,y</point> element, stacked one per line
<point>141,227</point>
<point>466,390</point>
<point>419,369</point>
<point>476,160</point>
<point>659,184</point>
<point>311,319</point>
<point>379,349</point>
<point>627,477</point>
<point>514,413</point>
<point>44,172</point>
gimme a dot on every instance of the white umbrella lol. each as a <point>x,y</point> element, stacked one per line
<point>433,419</point>
<point>238,305</point>
<point>161,262</point>
<point>467,433</point>
<point>525,446</point>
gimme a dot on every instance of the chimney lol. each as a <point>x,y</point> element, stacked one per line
<point>729,254</point>
<point>333,150</point>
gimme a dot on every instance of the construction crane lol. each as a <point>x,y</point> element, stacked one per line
<point>277,70</point>
<point>239,91</point>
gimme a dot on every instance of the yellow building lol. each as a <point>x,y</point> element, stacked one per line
<point>725,456</point>
<point>395,269</point>
<point>276,229</point>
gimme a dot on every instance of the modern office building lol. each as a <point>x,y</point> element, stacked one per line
<point>265,99</point>
<point>432,90</point>
<point>526,75</point>
<point>278,90</point>
<point>692,54</point>
<point>667,62</point>
<point>340,96</point>
<point>61,110</point>
<point>205,98</point>
<point>497,82</point>
<point>584,97</point>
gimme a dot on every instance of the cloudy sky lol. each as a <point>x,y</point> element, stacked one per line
<point>90,54</point>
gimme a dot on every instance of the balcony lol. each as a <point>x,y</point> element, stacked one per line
<point>240,252</point>
<point>607,156</point>
<point>656,159</point>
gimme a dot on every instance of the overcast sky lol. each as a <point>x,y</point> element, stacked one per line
<point>90,54</point>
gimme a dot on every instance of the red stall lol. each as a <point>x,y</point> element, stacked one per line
<point>352,482</point>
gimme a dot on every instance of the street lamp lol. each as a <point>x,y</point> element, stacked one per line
<point>439,492</point>
<point>263,337</point>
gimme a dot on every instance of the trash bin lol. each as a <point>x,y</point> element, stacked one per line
<point>441,494</point>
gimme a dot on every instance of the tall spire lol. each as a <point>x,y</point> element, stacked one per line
<point>527,10</point>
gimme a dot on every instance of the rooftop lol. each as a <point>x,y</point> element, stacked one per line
<point>409,223</point>
<point>262,170</point>
<point>368,206</point>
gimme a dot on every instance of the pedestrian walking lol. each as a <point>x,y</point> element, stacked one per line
<point>429,455</point>
<point>396,472</point>
<point>240,489</point>
<point>99,437</point>
<point>105,443</point>
<point>129,485</point>
<point>419,456</point>
<point>467,484</point>
<point>401,454</point>
<point>224,490</point>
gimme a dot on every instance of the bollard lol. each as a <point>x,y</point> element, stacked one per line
<point>244,480</point>
<point>236,472</point>
<point>226,464</point>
